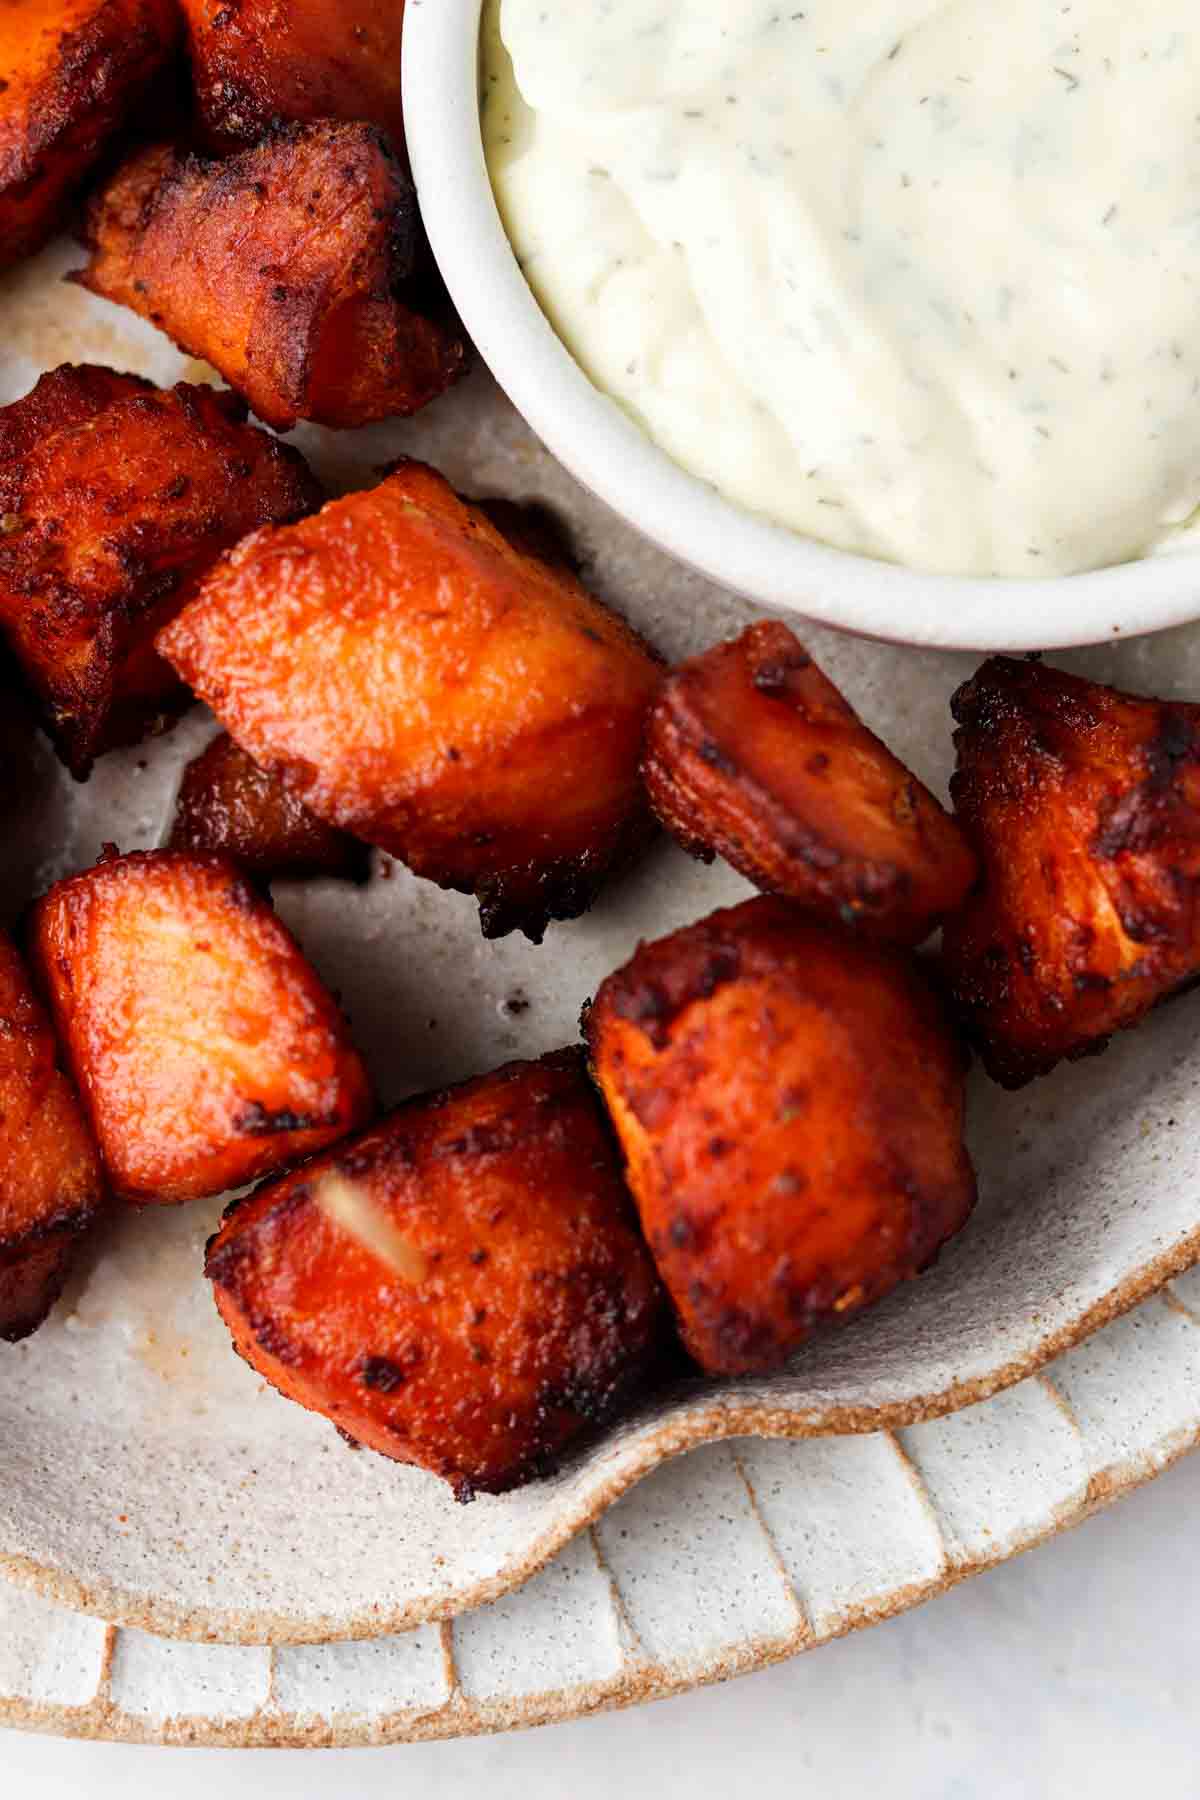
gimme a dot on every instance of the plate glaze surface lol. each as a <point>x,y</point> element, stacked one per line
<point>151,1479</point>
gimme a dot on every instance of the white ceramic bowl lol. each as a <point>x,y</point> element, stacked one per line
<point>606,451</point>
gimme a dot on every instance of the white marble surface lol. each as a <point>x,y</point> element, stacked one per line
<point>1069,1672</point>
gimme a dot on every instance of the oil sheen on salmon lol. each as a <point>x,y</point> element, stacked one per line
<point>920,278</point>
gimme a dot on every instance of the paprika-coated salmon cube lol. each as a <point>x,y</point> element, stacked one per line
<point>298,269</point>
<point>71,73</point>
<point>462,1287</point>
<point>1084,807</point>
<point>205,1047</point>
<point>51,1184</point>
<point>752,753</point>
<point>258,62</point>
<point>790,1100</point>
<point>115,496</point>
<point>418,681</point>
<point>227,803</point>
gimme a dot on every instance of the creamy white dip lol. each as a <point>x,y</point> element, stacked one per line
<point>920,278</point>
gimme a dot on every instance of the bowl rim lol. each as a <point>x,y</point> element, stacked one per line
<point>605,451</point>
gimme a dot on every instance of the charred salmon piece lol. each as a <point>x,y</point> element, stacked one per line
<point>259,62</point>
<point>462,1287</point>
<point>789,1099</point>
<point>420,682</point>
<point>206,1049</point>
<point>298,269</point>
<point>71,73</point>
<point>227,803</point>
<point>115,497</point>
<point>754,755</point>
<point>1083,805</point>
<point>51,1185</point>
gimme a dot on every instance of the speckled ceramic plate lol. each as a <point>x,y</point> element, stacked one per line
<point>735,1556</point>
<point>150,1478</point>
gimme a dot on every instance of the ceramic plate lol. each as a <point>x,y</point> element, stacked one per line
<point>151,1478</point>
<point>733,1557</point>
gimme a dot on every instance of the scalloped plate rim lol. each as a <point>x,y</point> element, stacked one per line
<point>701,1423</point>
<point>101,1720</point>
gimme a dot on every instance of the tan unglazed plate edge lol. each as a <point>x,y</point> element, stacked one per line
<point>153,1481</point>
